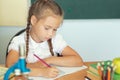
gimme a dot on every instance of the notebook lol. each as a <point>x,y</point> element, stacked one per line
<point>63,71</point>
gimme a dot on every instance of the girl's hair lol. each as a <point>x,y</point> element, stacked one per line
<point>41,9</point>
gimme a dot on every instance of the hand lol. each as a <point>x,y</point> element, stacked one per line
<point>50,72</point>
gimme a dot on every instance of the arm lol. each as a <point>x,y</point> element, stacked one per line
<point>36,69</point>
<point>70,58</point>
<point>13,57</point>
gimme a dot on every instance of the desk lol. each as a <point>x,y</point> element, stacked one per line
<point>79,75</point>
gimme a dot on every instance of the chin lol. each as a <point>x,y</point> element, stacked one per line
<point>45,40</point>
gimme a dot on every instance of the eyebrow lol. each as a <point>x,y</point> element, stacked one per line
<point>51,27</point>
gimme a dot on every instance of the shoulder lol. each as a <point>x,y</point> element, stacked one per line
<point>16,41</point>
<point>57,37</point>
<point>58,43</point>
<point>20,37</point>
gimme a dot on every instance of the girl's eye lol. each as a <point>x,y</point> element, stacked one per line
<point>46,28</point>
<point>55,29</point>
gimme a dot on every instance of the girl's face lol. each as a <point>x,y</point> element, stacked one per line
<point>45,28</point>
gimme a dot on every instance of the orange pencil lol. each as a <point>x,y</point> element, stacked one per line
<point>102,70</point>
<point>99,70</point>
<point>109,73</point>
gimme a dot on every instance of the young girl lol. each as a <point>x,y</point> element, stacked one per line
<point>44,18</point>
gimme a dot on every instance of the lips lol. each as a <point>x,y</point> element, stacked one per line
<point>47,38</point>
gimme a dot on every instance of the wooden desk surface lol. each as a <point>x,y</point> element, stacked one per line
<point>80,75</point>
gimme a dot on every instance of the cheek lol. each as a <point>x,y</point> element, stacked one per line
<point>37,31</point>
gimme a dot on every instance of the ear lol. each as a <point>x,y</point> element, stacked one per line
<point>33,20</point>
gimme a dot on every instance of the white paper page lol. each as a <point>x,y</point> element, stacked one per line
<point>63,71</point>
<point>2,72</point>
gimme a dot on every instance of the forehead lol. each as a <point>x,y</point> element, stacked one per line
<point>52,21</point>
<point>48,12</point>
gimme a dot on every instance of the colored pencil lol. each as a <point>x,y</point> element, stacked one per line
<point>42,60</point>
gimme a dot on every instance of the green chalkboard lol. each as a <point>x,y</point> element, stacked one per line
<point>90,9</point>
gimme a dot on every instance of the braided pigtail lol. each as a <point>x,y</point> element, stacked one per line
<point>28,28</point>
<point>50,47</point>
<point>27,38</point>
<point>30,13</point>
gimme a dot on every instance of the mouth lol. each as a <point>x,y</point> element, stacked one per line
<point>47,38</point>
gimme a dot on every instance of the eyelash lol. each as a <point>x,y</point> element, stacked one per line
<point>46,28</point>
<point>49,28</point>
<point>55,29</point>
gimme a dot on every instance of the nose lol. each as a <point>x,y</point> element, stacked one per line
<point>50,33</point>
